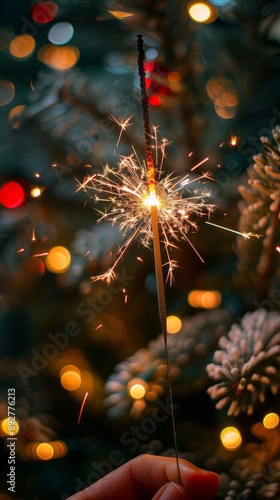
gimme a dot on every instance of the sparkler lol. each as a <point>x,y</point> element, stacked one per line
<point>149,205</point>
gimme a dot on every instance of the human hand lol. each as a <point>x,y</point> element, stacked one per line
<point>149,477</point>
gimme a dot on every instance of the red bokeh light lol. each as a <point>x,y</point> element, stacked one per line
<point>11,195</point>
<point>44,12</point>
<point>148,82</point>
<point>154,100</point>
<point>149,65</point>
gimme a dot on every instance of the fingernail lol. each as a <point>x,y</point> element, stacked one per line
<point>173,492</point>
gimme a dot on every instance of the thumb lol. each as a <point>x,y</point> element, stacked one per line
<point>172,491</point>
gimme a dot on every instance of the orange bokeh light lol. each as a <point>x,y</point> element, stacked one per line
<point>22,46</point>
<point>62,57</point>
<point>205,299</point>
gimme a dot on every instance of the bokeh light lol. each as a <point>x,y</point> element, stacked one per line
<point>61,58</point>
<point>9,427</point>
<point>231,438</point>
<point>173,76</point>
<point>58,260</point>
<point>15,114</point>
<point>202,12</point>
<point>270,420</point>
<point>35,192</point>
<point>70,377</point>
<point>45,12</point>
<point>224,95</point>
<point>7,92</point>
<point>154,100</point>
<point>61,33</point>
<point>173,324</point>
<point>151,53</point>
<point>204,299</point>
<point>136,388</point>
<point>11,194</point>
<point>22,46</point>
<point>44,451</point>
<point>220,2</point>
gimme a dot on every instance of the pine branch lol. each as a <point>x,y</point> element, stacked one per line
<point>260,213</point>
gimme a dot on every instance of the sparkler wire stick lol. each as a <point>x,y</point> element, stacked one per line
<point>155,230</point>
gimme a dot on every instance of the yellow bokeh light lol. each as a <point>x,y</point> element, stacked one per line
<point>9,427</point>
<point>202,12</point>
<point>22,46</point>
<point>231,438</point>
<point>62,58</point>
<point>70,377</point>
<point>204,299</point>
<point>58,260</point>
<point>136,388</point>
<point>173,324</point>
<point>271,420</point>
<point>35,192</point>
<point>44,451</point>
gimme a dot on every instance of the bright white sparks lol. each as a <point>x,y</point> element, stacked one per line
<point>124,190</point>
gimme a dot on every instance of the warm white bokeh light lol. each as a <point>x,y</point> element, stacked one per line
<point>231,438</point>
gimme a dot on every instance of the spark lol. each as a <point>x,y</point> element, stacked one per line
<point>99,326</point>
<point>82,407</point>
<point>88,251</point>
<point>125,191</point>
<point>33,237</point>
<point>123,123</point>
<point>20,250</point>
<point>140,259</point>
<point>40,254</point>
<point>233,140</point>
<point>200,163</point>
<point>245,235</point>
<point>278,249</point>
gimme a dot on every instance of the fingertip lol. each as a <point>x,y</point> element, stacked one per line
<point>172,491</point>
<point>204,484</point>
